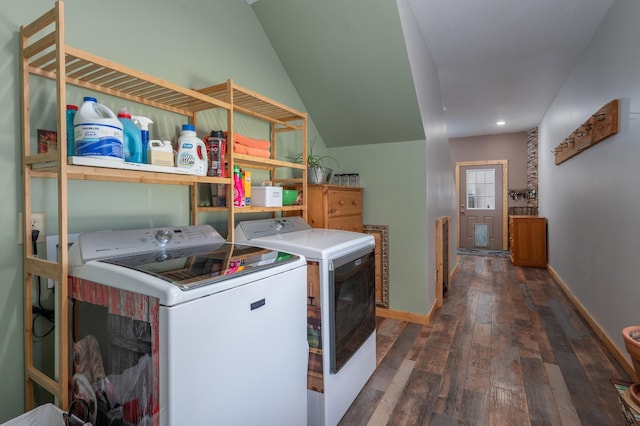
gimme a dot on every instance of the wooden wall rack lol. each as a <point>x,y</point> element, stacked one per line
<point>598,127</point>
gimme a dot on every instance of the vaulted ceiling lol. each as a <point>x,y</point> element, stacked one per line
<point>496,59</point>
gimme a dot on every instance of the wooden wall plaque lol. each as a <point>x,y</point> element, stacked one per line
<point>599,126</point>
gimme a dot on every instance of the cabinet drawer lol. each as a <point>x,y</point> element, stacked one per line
<point>344,202</point>
<point>346,223</point>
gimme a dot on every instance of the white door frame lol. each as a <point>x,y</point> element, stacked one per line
<point>505,207</point>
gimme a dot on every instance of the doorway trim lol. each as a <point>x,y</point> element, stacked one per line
<point>505,185</point>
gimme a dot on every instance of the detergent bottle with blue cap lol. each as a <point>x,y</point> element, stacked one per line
<point>192,152</point>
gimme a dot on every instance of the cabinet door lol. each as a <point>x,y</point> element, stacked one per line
<point>529,241</point>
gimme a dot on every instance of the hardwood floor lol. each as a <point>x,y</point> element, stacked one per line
<point>507,348</point>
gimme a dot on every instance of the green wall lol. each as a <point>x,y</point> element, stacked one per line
<point>394,178</point>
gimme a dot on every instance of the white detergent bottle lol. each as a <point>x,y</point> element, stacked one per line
<point>192,152</point>
<point>98,132</point>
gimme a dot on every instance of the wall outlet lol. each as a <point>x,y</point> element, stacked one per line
<point>37,222</point>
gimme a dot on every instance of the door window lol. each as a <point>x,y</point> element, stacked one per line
<point>481,189</point>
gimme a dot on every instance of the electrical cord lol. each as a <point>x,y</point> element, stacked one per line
<point>40,311</point>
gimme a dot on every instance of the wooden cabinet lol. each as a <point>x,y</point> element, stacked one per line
<point>528,238</point>
<point>335,207</point>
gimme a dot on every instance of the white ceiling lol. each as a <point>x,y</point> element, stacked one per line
<point>504,59</point>
<point>496,59</point>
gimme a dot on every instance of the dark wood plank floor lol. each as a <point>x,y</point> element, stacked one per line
<point>507,348</point>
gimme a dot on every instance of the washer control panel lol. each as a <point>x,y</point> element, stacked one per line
<point>106,244</point>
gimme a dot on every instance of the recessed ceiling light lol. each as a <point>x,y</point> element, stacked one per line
<point>501,122</point>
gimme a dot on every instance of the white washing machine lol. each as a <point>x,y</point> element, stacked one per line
<point>340,308</point>
<point>221,328</point>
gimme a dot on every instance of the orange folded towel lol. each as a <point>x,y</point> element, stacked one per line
<point>251,142</point>
<point>256,152</point>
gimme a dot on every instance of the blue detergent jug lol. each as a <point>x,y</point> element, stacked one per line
<point>133,150</point>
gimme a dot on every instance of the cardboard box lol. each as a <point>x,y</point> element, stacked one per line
<point>247,188</point>
<point>266,196</point>
<point>47,141</point>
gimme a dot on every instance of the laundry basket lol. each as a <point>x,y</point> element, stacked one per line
<point>45,415</point>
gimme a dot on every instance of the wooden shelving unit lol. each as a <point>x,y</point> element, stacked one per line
<point>45,54</point>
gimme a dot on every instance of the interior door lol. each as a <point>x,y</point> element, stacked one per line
<point>481,194</point>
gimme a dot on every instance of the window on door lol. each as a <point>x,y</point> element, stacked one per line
<point>481,193</point>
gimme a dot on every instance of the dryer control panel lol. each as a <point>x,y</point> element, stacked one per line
<point>251,229</point>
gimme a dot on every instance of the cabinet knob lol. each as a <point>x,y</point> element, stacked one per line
<point>341,202</point>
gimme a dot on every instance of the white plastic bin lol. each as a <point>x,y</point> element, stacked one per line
<point>266,196</point>
<point>42,415</point>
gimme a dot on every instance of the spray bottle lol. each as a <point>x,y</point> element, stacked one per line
<point>143,124</point>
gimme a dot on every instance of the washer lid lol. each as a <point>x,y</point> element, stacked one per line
<point>199,266</point>
<point>288,234</point>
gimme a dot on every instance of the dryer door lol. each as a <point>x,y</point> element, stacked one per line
<point>352,304</point>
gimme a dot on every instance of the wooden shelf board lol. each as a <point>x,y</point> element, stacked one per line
<point>254,209</point>
<point>250,160</point>
<point>120,175</point>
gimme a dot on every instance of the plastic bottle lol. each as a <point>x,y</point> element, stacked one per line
<point>161,153</point>
<point>71,114</point>
<point>238,187</point>
<point>143,124</point>
<point>215,149</point>
<point>192,152</point>
<point>97,132</point>
<point>132,137</point>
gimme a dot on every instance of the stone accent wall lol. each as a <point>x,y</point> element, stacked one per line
<point>532,164</point>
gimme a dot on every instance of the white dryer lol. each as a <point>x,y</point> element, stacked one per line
<point>340,308</point>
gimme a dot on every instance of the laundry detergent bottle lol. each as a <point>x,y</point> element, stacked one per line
<point>133,150</point>
<point>192,152</point>
<point>97,131</point>
<point>238,187</point>
<point>71,115</point>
